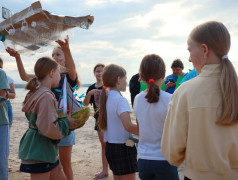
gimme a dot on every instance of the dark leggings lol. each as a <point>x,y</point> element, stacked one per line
<point>185,178</point>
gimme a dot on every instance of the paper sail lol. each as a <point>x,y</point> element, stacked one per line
<point>69,102</point>
<point>34,29</point>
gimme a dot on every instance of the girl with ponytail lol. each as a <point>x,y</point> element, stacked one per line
<point>38,149</point>
<point>115,121</point>
<point>202,121</point>
<point>150,107</point>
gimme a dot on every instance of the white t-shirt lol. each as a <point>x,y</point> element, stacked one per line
<point>10,80</point>
<point>116,105</point>
<point>151,117</point>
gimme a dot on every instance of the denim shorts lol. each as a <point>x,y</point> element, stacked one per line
<point>68,140</point>
<point>10,113</point>
<point>4,151</point>
<point>157,169</point>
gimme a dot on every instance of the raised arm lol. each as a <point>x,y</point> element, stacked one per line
<point>23,74</point>
<point>70,65</point>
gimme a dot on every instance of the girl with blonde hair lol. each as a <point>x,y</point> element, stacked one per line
<point>202,122</point>
<point>63,56</point>
<point>38,149</point>
<point>115,121</point>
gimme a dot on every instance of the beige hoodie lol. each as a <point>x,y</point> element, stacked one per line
<point>190,132</point>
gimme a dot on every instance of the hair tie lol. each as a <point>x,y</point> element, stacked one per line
<point>151,80</point>
<point>104,87</point>
<point>224,57</point>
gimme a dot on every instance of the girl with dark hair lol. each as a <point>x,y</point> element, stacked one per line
<point>150,108</point>
<point>171,80</point>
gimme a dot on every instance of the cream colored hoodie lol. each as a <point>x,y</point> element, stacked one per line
<point>190,132</point>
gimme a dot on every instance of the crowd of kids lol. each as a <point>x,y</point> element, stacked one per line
<point>196,122</point>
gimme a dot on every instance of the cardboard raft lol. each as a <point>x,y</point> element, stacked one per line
<point>34,28</point>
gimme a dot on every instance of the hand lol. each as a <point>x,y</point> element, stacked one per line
<point>94,92</point>
<point>170,84</point>
<point>12,52</point>
<point>73,123</point>
<point>64,44</point>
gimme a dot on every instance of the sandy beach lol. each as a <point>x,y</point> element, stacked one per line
<point>86,156</point>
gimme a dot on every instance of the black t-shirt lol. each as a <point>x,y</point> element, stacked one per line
<point>134,87</point>
<point>71,83</point>
<point>92,100</point>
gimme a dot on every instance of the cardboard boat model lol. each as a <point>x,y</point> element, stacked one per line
<point>34,29</point>
<point>68,101</point>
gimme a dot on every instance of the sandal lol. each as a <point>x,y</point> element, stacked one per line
<point>100,176</point>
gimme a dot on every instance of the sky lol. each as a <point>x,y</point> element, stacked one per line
<point>124,31</point>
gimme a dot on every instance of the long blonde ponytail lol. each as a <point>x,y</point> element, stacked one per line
<point>229,89</point>
<point>216,36</point>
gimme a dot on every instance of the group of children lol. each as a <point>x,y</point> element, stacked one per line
<point>198,124</point>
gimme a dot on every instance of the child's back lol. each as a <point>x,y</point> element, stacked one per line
<point>116,104</point>
<point>151,108</point>
<point>151,117</point>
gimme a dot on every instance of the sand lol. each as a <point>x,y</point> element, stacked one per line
<point>86,155</point>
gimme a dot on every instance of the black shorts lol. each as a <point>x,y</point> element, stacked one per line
<point>38,167</point>
<point>122,159</point>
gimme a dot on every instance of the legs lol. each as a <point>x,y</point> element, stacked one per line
<point>57,173</point>
<point>65,159</point>
<point>40,176</point>
<point>125,177</point>
<point>157,169</point>
<point>104,172</point>
<point>54,174</point>
<point>4,151</point>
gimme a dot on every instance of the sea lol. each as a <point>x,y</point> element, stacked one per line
<point>21,93</point>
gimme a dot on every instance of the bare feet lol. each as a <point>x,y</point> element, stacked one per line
<point>100,175</point>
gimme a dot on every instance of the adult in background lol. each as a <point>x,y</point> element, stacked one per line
<point>170,81</point>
